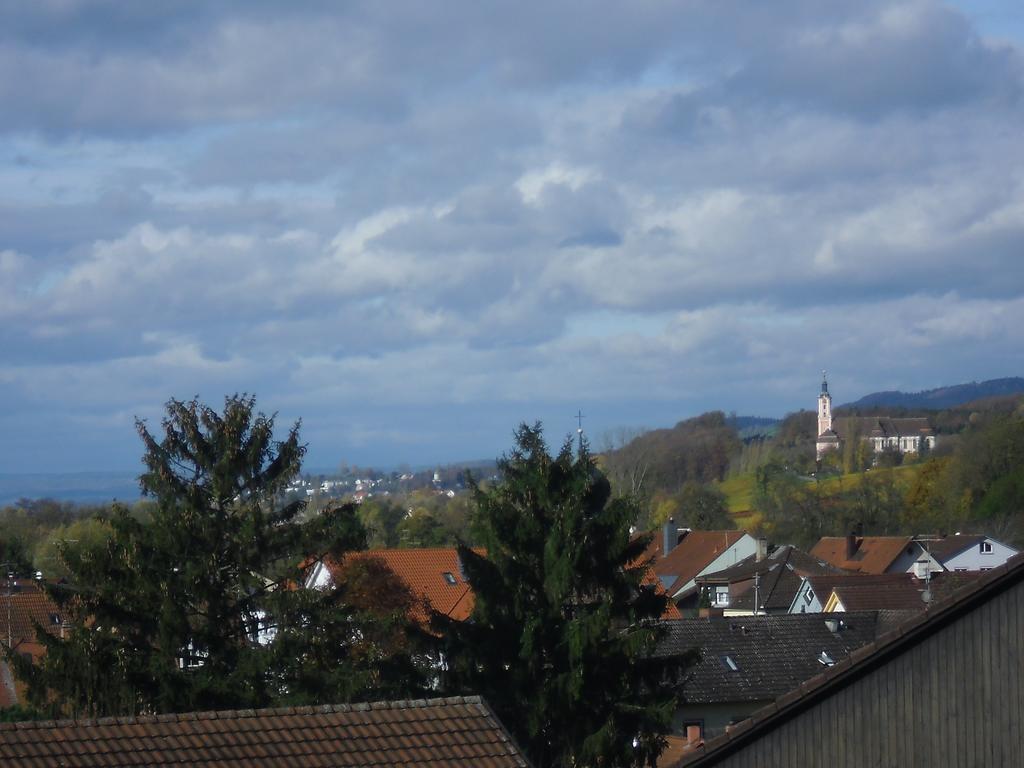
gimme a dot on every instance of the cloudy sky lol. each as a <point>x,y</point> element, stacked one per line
<point>415,224</point>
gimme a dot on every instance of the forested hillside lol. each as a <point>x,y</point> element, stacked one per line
<point>972,481</point>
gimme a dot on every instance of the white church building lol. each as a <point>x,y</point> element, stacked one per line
<point>905,435</point>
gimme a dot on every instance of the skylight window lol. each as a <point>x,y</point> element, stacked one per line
<point>824,658</point>
<point>449,577</point>
<point>730,664</point>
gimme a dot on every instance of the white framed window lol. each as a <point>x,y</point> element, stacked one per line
<point>986,547</point>
<point>720,598</point>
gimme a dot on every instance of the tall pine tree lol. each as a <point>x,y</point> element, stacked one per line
<point>562,637</point>
<point>200,606</point>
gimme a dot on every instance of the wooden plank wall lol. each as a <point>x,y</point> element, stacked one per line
<point>956,699</point>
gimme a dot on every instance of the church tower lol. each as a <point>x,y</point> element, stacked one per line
<point>824,407</point>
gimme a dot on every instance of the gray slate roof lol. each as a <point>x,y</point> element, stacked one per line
<point>771,654</point>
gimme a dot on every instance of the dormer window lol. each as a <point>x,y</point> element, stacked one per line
<point>450,578</point>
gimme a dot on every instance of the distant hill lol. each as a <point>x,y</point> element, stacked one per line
<point>749,427</point>
<point>942,397</point>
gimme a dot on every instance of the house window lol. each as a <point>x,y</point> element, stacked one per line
<point>825,659</point>
<point>721,596</point>
<point>808,596</point>
<point>449,577</point>
<point>960,570</point>
<point>986,547</point>
<point>729,663</point>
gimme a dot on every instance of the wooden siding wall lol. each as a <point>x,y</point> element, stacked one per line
<point>956,699</point>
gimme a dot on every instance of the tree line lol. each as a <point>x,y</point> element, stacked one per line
<point>200,603</point>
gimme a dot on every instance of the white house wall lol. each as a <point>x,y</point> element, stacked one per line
<point>905,562</point>
<point>972,558</point>
<point>800,602</point>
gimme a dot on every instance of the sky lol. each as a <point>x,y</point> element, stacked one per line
<point>414,225</point>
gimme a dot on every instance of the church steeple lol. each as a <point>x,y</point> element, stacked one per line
<point>824,407</point>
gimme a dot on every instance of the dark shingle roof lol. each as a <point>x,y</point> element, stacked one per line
<point>438,732</point>
<point>942,548</point>
<point>771,654</point>
<point>895,591</point>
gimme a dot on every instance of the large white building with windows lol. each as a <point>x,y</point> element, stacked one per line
<point>906,435</point>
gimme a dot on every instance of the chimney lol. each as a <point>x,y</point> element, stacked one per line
<point>762,549</point>
<point>692,735</point>
<point>669,536</point>
<point>851,545</point>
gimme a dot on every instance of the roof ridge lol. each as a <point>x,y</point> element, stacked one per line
<point>237,714</point>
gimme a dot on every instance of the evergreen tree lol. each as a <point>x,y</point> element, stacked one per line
<point>562,637</point>
<point>198,607</point>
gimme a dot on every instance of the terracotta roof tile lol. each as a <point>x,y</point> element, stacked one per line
<point>696,551</point>
<point>29,604</point>
<point>873,554</point>
<point>435,574</point>
<point>458,731</point>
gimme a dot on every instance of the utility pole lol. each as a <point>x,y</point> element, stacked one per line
<point>9,568</point>
<point>579,428</point>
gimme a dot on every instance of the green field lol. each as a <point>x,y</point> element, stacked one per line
<point>739,490</point>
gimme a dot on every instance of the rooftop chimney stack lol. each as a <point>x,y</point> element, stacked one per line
<point>762,549</point>
<point>669,536</point>
<point>692,735</point>
<point>851,545</point>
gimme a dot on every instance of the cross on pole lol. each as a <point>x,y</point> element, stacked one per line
<point>579,428</point>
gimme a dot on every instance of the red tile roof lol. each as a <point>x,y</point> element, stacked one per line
<point>693,554</point>
<point>29,604</point>
<point>438,732</point>
<point>435,574</point>
<point>873,554</point>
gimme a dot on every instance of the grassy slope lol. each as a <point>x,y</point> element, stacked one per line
<point>739,490</point>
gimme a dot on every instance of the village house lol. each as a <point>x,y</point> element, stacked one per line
<point>680,555</point>
<point>24,605</point>
<point>433,575</point>
<point>942,688</point>
<point>746,662</point>
<point>903,554</point>
<point>760,583</point>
